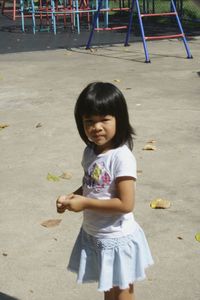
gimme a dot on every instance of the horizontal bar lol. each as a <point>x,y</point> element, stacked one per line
<point>162,37</point>
<point>114,9</point>
<point>159,14</point>
<point>61,12</point>
<point>111,28</point>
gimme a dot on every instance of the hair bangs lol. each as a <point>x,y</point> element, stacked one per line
<point>99,106</point>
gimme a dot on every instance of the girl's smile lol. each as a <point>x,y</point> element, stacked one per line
<point>100,130</point>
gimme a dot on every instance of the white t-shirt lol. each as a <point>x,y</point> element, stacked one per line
<point>100,172</point>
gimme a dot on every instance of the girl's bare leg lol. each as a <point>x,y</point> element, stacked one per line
<point>117,294</point>
<point>110,295</point>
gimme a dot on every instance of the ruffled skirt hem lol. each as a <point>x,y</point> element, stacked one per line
<point>112,261</point>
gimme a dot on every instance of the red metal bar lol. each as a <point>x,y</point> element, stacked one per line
<point>160,14</point>
<point>162,37</point>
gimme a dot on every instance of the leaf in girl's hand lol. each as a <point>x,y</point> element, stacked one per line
<point>66,175</point>
<point>52,177</point>
<point>197,236</point>
<point>51,223</point>
<point>160,203</point>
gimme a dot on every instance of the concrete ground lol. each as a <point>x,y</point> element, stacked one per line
<point>37,96</point>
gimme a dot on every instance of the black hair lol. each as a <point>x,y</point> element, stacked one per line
<point>102,98</point>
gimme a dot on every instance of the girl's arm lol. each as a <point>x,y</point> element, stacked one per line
<point>123,203</point>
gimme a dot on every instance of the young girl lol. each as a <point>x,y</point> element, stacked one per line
<point>111,248</point>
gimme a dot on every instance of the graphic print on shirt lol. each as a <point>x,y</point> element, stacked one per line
<point>97,177</point>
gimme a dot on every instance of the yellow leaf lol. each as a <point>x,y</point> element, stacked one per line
<point>117,80</point>
<point>52,177</point>
<point>160,203</point>
<point>197,236</point>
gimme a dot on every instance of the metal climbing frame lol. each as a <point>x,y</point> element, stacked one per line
<point>173,12</point>
<point>106,10</point>
<point>49,12</point>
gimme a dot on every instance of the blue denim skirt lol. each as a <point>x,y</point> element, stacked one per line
<point>110,261</point>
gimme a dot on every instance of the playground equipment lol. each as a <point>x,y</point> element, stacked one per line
<point>49,13</point>
<point>172,13</point>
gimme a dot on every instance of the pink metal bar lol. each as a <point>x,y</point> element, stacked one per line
<point>160,14</point>
<point>162,37</point>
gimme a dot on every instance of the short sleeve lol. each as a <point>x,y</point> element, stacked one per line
<point>125,163</point>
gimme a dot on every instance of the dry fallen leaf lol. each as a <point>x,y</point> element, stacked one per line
<point>3,125</point>
<point>66,175</point>
<point>93,50</point>
<point>52,177</point>
<point>197,236</point>
<point>160,203</point>
<point>38,125</point>
<point>151,141</point>
<point>149,146</point>
<point>51,223</point>
<point>117,80</point>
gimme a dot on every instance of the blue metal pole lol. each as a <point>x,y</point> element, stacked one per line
<point>33,16</point>
<point>77,16</point>
<point>189,55</point>
<point>129,24</point>
<point>22,13</point>
<point>53,18</point>
<point>142,32</point>
<point>94,24</point>
<point>106,14</point>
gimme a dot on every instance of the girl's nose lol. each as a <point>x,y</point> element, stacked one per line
<point>97,126</point>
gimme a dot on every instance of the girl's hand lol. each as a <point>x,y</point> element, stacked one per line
<point>61,204</point>
<point>71,202</point>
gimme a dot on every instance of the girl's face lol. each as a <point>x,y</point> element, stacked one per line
<point>100,130</point>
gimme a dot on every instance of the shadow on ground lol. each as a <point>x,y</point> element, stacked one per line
<point>6,297</point>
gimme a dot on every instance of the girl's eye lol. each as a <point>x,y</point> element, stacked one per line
<point>88,122</point>
<point>106,120</point>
